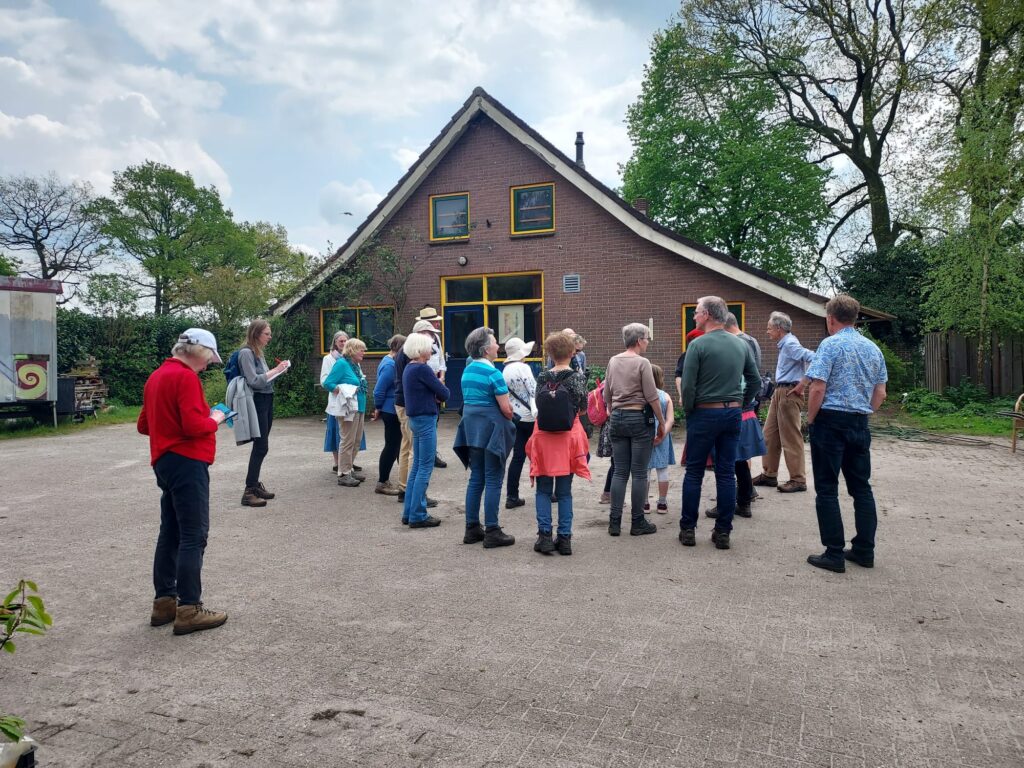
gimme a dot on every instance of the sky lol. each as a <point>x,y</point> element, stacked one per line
<point>298,111</point>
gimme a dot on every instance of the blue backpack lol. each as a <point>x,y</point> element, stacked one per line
<point>231,369</point>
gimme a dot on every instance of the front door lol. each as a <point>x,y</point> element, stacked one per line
<point>459,322</point>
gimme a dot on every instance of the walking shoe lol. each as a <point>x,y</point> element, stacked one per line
<point>514,501</point>
<point>474,534</point>
<point>348,481</point>
<point>401,497</point>
<point>262,492</point>
<point>431,503</point>
<point>405,521</point>
<point>755,496</point>
<point>614,526</point>
<point>647,506</point>
<point>743,510</point>
<point>250,499</point>
<point>828,563</point>
<point>712,512</point>
<point>195,618</point>
<point>164,610</point>
<point>763,479</point>
<point>864,561</point>
<point>334,469</point>
<point>662,508</point>
<point>357,475</point>
<point>642,527</point>
<point>688,537</point>
<point>564,544</point>
<point>356,468</point>
<point>386,489</point>
<point>427,522</point>
<point>439,462</point>
<point>495,537</point>
<point>606,498</point>
<point>791,486</point>
<point>544,544</point>
<point>720,539</point>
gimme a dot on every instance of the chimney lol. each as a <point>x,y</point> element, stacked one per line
<point>579,149</point>
<point>642,205</point>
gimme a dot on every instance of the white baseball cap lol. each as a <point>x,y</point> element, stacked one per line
<point>203,338</point>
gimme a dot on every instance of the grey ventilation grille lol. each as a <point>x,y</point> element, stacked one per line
<point>570,283</point>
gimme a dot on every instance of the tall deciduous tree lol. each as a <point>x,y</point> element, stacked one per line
<point>715,165</point>
<point>48,226</point>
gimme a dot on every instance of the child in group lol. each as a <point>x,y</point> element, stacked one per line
<point>663,456</point>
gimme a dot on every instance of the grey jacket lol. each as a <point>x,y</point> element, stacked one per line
<point>239,399</point>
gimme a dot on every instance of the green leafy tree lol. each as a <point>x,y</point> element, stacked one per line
<point>716,164</point>
<point>7,266</point>
<point>894,282</point>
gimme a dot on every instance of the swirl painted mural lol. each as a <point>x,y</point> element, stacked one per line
<point>33,377</point>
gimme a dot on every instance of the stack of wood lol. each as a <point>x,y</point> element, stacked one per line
<point>90,391</point>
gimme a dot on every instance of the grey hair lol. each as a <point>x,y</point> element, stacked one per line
<point>338,335</point>
<point>781,321</point>
<point>416,344</point>
<point>716,308</point>
<point>478,341</point>
<point>731,321</point>
<point>633,333</point>
<point>184,349</point>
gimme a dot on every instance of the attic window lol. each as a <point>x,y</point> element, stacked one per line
<point>449,217</point>
<point>533,209</point>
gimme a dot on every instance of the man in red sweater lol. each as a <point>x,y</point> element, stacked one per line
<point>182,434</point>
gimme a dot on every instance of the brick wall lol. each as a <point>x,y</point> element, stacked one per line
<point>623,278</point>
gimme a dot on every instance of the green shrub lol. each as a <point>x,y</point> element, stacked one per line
<point>298,392</point>
<point>900,373</point>
<point>922,402</point>
<point>214,384</point>
<point>966,392</point>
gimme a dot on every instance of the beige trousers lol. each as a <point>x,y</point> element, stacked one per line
<point>351,434</point>
<point>405,452</point>
<point>782,435</point>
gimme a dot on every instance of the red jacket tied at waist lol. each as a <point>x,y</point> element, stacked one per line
<point>555,454</point>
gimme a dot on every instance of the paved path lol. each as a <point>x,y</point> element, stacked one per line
<point>353,641</point>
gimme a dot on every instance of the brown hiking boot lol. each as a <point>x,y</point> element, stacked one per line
<point>792,486</point>
<point>195,618</point>
<point>386,489</point>
<point>262,492</point>
<point>763,479</point>
<point>252,499</point>
<point>164,610</point>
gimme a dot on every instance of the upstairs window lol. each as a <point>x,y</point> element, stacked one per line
<point>449,217</point>
<point>533,209</point>
<point>372,325</point>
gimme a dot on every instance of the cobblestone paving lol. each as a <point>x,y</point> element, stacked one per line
<point>353,641</point>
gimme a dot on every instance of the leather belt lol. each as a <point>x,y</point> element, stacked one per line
<point>728,404</point>
<point>786,384</point>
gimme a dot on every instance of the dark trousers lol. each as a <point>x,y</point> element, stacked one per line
<point>392,443</point>
<point>707,429</point>
<point>184,526</point>
<point>744,483</point>
<point>632,443</point>
<point>264,403</point>
<point>524,429</point>
<point>609,476</point>
<point>841,442</point>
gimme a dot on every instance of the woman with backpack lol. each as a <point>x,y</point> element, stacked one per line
<point>252,364</point>
<point>521,388</point>
<point>559,445</point>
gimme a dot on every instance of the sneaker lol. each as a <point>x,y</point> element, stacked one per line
<point>334,469</point>
<point>791,486</point>
<point>688,537</point>
<point>401,497</point>
<point>614,526</point>
<point>164,610</point>
<point>405,521</point>
<point>544,544</point>
<point>720,539</point>
<point>427,522</point>
<point>827,563</point>
<point>431,503</point>
<point>514,501</point>
<point>474,534</point>
<point>440,463</point>
<point>348,481</point>
<point>357,475</point>
<point>495,537</point>
<point>662,508</point>
<point>712,512</point>
<point>356,468</point>
<point>606,498</point>
<point>250,499</point>
<point>563,544</point>
<point>743,510</point>
<point>641,528</point>
<point>262,492</point>
<point>864,561</point>
<point>763,479</point>
<point>386,489</point>
<point>756,496</point>
<point>195,618</point>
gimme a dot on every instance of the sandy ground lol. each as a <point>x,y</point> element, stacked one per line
<point>353,641</point>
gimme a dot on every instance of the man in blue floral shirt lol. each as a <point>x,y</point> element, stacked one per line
<point>847,384</point>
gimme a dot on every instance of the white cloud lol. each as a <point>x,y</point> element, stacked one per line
<point>339,201</point>
<point>405,157</point>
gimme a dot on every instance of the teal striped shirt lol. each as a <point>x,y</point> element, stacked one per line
<point>481,383</point>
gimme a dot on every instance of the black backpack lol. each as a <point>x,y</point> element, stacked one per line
<point>555,409</point>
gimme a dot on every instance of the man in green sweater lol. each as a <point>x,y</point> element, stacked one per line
<point>719,378</point>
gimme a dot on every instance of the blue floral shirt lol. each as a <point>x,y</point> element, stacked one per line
<point>851,367</point>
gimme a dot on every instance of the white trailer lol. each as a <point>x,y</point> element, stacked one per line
<point>28,348</point>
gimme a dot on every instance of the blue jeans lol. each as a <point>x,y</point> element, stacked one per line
<point>421,467</point>
<point>562,488</point>
<point>841,442</point>
<point>632,443</point>
<point>486,472</point>
<point>184,526</point>
<point>707,429</point>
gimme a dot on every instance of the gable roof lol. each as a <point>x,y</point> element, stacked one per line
<point>482,103</point>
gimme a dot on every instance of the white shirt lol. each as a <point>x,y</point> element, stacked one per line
<point>519,379</point>
<point>333,400</point>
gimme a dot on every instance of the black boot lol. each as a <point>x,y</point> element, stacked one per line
<point>614,525</point>
<point>544,543</point>
<point>495,537</point>
<point>474,534</point>
<point>641,526</point>
<point>564,544</point>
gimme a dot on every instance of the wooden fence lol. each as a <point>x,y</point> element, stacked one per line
<point>949,358</point>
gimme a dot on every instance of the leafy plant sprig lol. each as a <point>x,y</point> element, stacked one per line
<point>26,613</point>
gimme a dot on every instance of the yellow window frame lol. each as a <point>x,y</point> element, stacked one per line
<point>434,238</point>
<point>369,352</point>
<point>512,210</point>
<point>487,304</point>
<point>741,317</point>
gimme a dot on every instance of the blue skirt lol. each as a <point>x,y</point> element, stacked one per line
<point>332,437</point>
<point>751,442</point>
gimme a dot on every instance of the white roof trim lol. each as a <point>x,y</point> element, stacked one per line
<point>569,171</point>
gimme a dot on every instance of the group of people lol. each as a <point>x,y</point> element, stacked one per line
<point>510,412</point>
